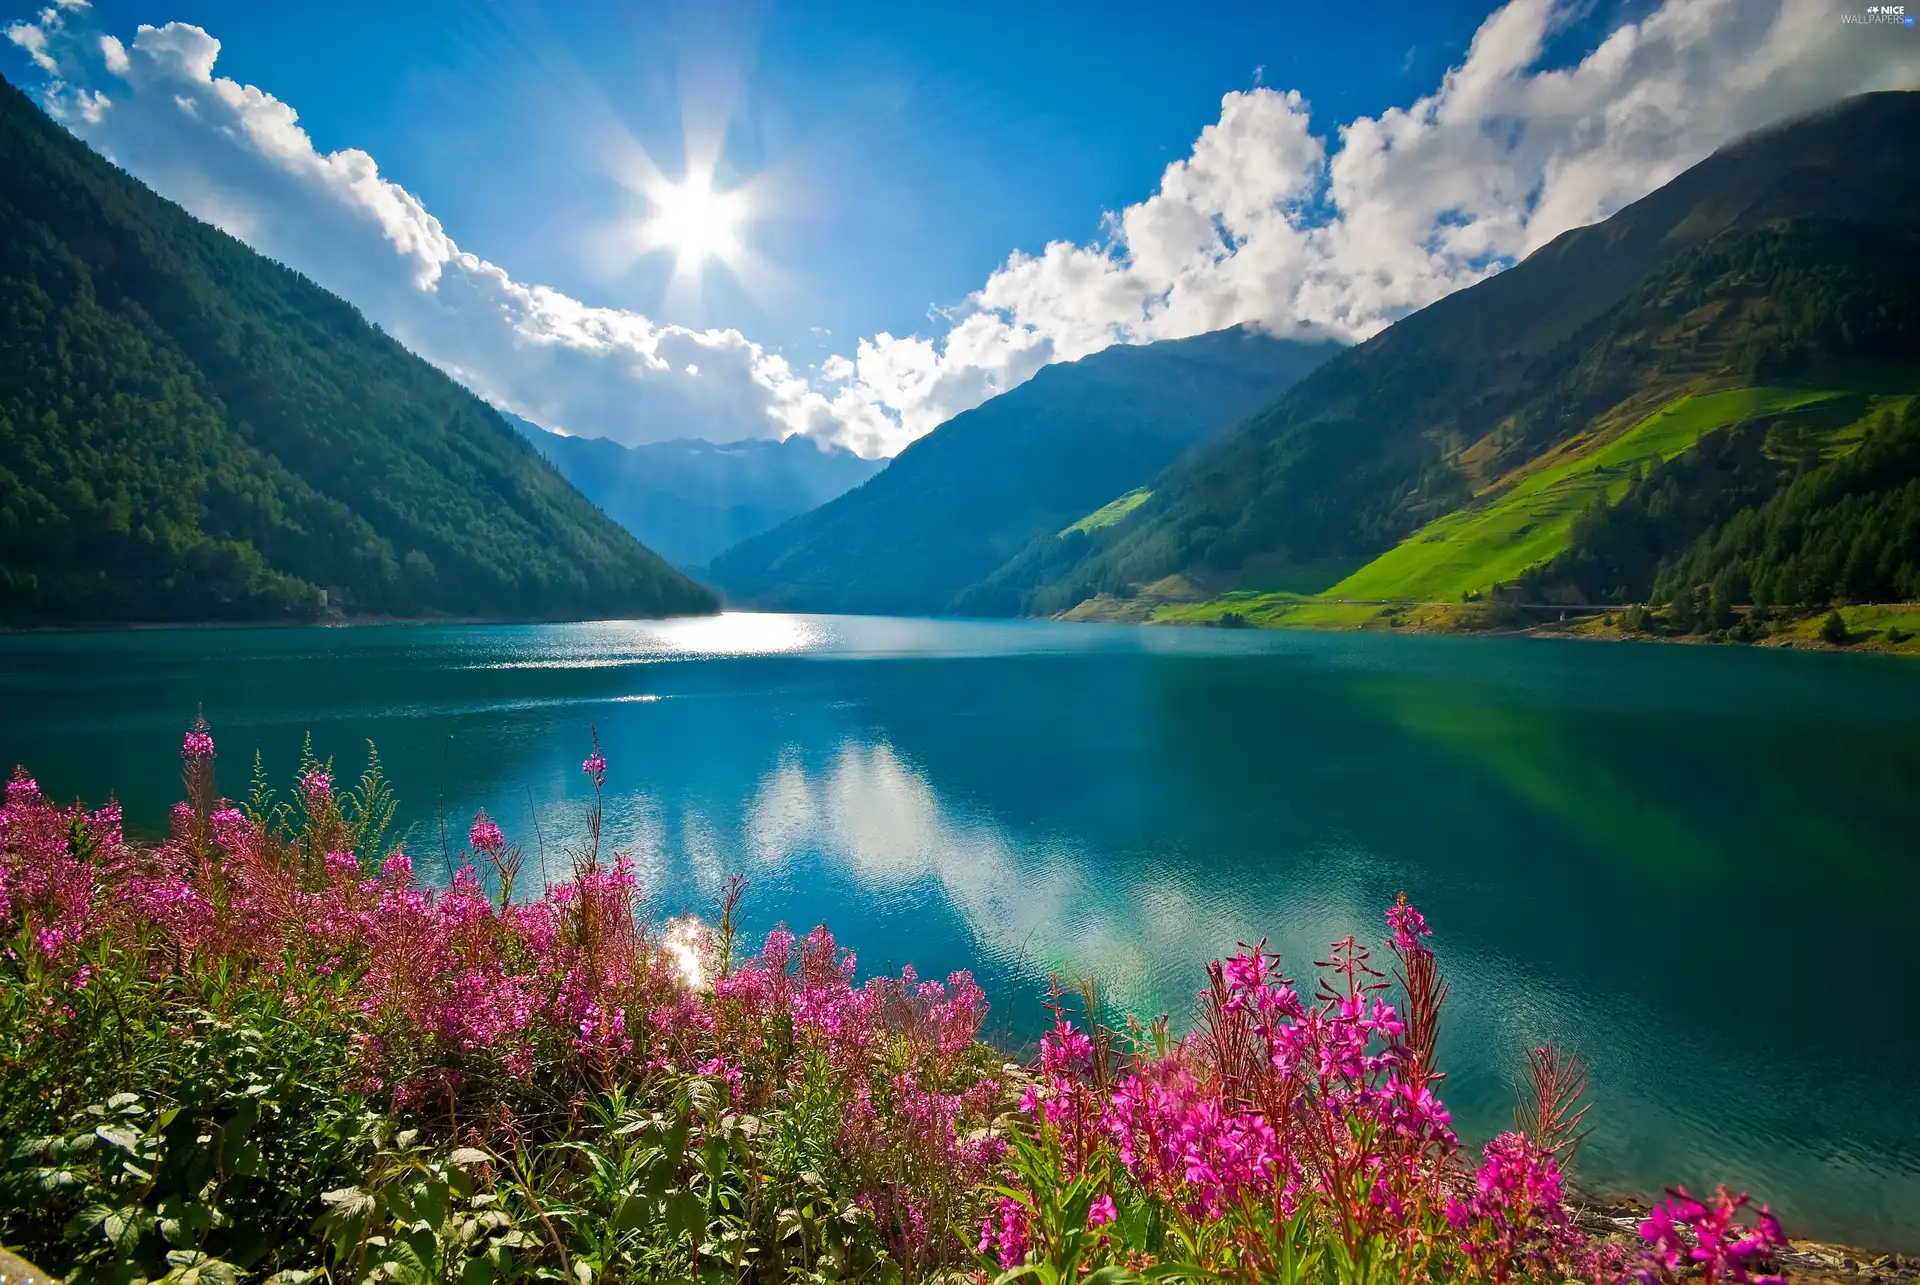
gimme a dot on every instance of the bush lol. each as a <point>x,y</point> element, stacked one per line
<point>208,1045</point>
<point>1834,630</point>
<point>261,1050</point>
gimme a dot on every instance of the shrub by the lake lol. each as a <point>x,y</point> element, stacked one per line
<point>264,1049</point>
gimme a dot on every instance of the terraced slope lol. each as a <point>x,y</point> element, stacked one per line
<point>1472,550</point>
<point>1517,539</point>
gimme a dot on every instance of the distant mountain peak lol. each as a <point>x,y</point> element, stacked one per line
<point>971,494</point>
<point>690,498</point>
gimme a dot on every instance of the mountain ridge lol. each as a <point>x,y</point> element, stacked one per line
<point>971,494</point>
<point>1421,419</point>
<point>189,431</point>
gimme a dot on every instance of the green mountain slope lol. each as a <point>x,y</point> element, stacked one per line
<point>1782,261</point>
<point>688,500</point>
<point>969,495</point>
<point>1792,513</point>
<point>189,431</point>
<point>1473,549</point>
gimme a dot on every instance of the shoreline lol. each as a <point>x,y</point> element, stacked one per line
<point>336,622</point>
<point>1809,1258</point>
<point>1869,623</point>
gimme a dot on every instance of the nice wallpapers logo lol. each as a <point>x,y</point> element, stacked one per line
<point>1881,14</point>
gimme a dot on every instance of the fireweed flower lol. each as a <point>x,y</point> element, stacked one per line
<point>1408,926</point>
<point>1284,1102</point>
<point>1006,1234</point>
<point>485,836</point>
<point>316,784</point>
<point>1684,1230</point>
<point>198,743</point>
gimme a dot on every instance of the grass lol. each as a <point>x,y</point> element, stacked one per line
<point>1869,627</point>
<point>1474,549</point>
<point>1110,514</point>
<point>1422,581</point>
<point>1272,611</point>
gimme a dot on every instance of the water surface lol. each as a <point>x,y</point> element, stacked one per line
<point>1698,866</point>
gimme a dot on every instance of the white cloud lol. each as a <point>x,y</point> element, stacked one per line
<point>1264,222</point>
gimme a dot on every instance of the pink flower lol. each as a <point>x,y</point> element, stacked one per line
<point>1685,1229</point>
<point>1064,1050</point>
<point>1101,1212</point>
<point>231,829</point>
<point>1408,926</point>
<point>485,836</point>
<point>199,741</point>
<point>317,785</point>
<point>1006,1234</point>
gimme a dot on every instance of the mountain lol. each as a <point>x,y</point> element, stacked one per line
<point>971,494</point>
<point>189,431</point>
<point>689,499</point>
<point>1773,284</point>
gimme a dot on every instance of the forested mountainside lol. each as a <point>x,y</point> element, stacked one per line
<point>971,494</point>
<point>1451,454</point>
<point>687,499</point>
<point>189,431</point>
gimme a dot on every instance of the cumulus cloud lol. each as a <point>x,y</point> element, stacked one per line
<point>238,157</point>
<point>1264,222</point>
<point>1268,224</point>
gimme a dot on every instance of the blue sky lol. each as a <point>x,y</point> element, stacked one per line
<point>939,199</point>
<point>917,143</point>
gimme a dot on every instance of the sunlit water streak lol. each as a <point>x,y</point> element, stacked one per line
<point>1693,864</point>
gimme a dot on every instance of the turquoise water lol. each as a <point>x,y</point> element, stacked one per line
<point>1698,866</point>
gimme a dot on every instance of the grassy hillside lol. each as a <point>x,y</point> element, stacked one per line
<point>1110,514</point>
<point>1794,518</point>
<point>1473,549</point>
<point>189,431</point>
<point>973,493</point>
<point>1788,260</point>
<point>1765,497</point>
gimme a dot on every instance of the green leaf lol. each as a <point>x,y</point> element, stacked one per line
<point>476,1271</point>
<point>631,1212</point>
<point>122,1228</point>
<point>183,1222</point>
<point>685,1213</point>
<point>347,1212</point>
<point>1110,1276</point>
<point>430,1202</point>
<point>119,1136</point>
<point>674,1144</point>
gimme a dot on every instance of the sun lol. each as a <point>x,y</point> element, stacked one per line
<point>696,222</point>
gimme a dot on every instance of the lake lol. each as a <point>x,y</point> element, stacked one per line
<point>1697,866</point>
